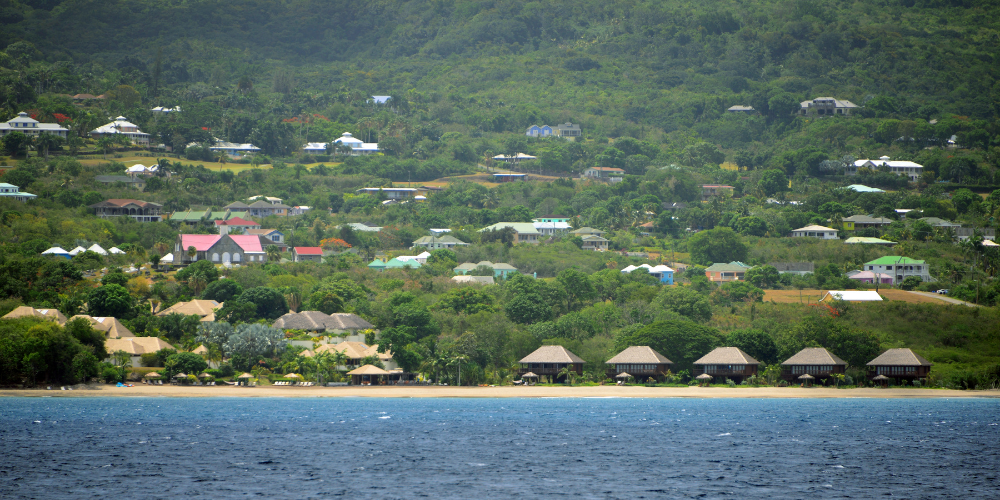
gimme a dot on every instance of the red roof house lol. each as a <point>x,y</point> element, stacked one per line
<point>302,254</point>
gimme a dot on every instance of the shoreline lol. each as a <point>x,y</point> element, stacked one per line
<point>497,392</point>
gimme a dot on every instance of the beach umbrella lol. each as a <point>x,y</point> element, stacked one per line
<point>181,375</point>
<point>204,375</point>
<point>153,375</point>
<point>245,375</point>
<point>293,375</point>
<point>529,375</point>
<point>703,378</point>
<point>807,379</point>
<point>883,379</point>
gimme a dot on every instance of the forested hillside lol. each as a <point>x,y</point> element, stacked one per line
<point>621,68</point>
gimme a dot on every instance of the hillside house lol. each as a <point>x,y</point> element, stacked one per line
<point>863,221</point>
<point>595,243</point>
<point>220,249</point>
<point>30,127</point>
<point>12,192</point>
<point>568,131</point>
<point>234,149</point>
<point>552,228</point>
<point>524,232</point>
<point>797,268</point>
<point>722,272</point>
<point>272,236</point>
<point>390,193</point>
<point>141,211</point>
<point>121,126</point>
<point>586,231</point>
<point>358,147</point>
<point>236,225</point>
<point>664,273</point>
<point>827,106</point>
<point>438,242</point>
<point>908,168</point>
<point>307,254</point>
<point>814,231</point>
<point>871,277</point>
<point>900,268</point>
<point>500,270</point>
<point>536,131</point>
<point>509,177</point>
<point>610,174</point>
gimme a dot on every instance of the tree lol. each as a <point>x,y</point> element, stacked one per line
<point>680,340</point>
<point>203,268</point>
<point>234,311</point>
<point>751,226</point>
<point>578,287</point>
<point>757,343</point>
<point>187,362</point>
<point>528,308</point>
<point>254,340</point>
<point>222,290</point>
<point>764,277</point>
<point>110,300</point>
<point>963,199</point>
<point>15,142</point>
<point>740,291</point>
<point>104,143</point>
<point>686,302</point>
<point>720,244</point>
<point>47,141</point>
<point>123,361</point>
<point>215,333</point>
<point>772,181</point>
<point>273,253</point>
<point>326,302</point>
<point>270,304</point>
<point>468,300</point>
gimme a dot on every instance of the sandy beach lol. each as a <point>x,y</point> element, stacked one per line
<point>493,392</point>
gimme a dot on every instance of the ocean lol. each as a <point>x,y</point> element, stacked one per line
<point>498,448</point>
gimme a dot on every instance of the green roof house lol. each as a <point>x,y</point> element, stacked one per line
<point>377,265</point>
<point>395,263</point>
<point>720,272</point>
<point>900,268</point>
<point>437,242</point>
<point>524,232</point>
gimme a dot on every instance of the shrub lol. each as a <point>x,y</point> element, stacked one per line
<point>110,374</point>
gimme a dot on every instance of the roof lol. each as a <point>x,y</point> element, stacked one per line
<point>111,327</point>
<point>814,356</point>
<point>307,250</point>
<point>395,263</point>
<point>861,188</point>
<point>814,228</point>
<point>125,202</point>
<point>197,307</point>
<point>485,280</point>
<point>864,219</point>
<point>136,345</point>
<point>305,320</point>
<point>899,357</point>
<point>587,230</point>
<point>201,349</point>
<point>885,161</point>
<point>237,204</point>
<point>607,169</point>
<point>200,242</point>
<point>639,354</point>
<point>116,126</point>
<point>552,354</point>
<point>27,311</point>
<point>348,321</point>
<point>869,275</point>
<point>236,221</point>
<point>893,260</point>
<point>518,227</point>
<point>263,232</point>
<point>368,370</point>
<point>853,295</point>
<point>428,240</point>
<point>730,267</point>
<point>867,241</point>
<point>727,356</point>
<point>250,243</point>
<point>740,108</point>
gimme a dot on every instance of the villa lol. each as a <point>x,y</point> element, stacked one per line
<point>122,126</point>
<point>721,272</point>
<point>550,360</point>
<point>816,362</point>
<point>641,362</point>
<point>908,168</point>
<point>524,232</point>
<point>31,127</point>
<point>727,362</point>
<point>141,211</point>
<point>12,192</point>
<point>827,106</point>
<point>814,231</point>
<point>899,364</point>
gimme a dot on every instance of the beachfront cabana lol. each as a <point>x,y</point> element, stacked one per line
<point>641,361</point>
<point>529,375</point>
<point>368,375</point>
<point>549,360</point>
<point>728,362</point>
<point>881,380</point>
<point>899,364</point>
<point>623,377</point>
<point>814,361</point>
<point>703,379</point>
<point>806,379</point>
<point>244,379</point>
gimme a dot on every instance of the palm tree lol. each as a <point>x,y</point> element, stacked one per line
<point>105,143</point>
<point>457,361</point>
<point>273,253</point>
<point>569,373</point>
<point>46,141</point>
<point>192,252</point>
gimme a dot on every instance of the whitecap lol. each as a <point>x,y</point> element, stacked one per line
<point>724,434</point>
<point>385,417</point>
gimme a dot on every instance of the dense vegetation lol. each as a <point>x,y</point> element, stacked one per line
<point>649,83</point>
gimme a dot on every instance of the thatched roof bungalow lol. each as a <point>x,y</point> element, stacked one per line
<point>549,360</point>
<point>642,362</point>
<point>814,361</point>
<point>316,321</point>
<point>727,362</point>
<point>899,364</point>
<point>27,311</point>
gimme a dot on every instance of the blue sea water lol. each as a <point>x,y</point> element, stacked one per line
<point>498,448</point>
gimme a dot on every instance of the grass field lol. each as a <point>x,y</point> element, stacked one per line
<point>813,296</point>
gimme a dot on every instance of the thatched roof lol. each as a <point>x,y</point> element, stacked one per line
<point>198,307</point>
<point>318,321</point>
<point>899,357</point>
<point>307,354</point>
<point>368,370</point>
<point>727,356</point>
<point>26,311</point>
<point>529,375</point>
<point>112,328</point>
<point>814,356</point>
<point>806,377</point>
<point>880,377</point>
<point>245,375</point>
<point>348,321</point>
<point>152,375</point>
<point>200,350</point>
<point>135,345</point>
<point>704,376</point>
<point>552,354</point>
<point>355,350</point>
<point>639,354</point>
<point>623,375</point>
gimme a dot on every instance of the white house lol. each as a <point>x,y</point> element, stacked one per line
<point>234,149</point>
<point>827,106</point>
<point>163,110</point>
<point>610,173</point>
<point>908,168</point>
<point>552,228</point>
<point>12,192</point>
<point>390,192</point>
<point>900,268</point>
<point>821,232</point>
<point>29,126</point>
<point>121,125</point>
<point>358,147</point>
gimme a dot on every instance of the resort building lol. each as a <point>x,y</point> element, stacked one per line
<point>356,352</point>
<point>30,312</point>
<point>899,364</point>
<point>30,127</point>
<point>549,360</point>
<point>141,211</point>
<point>727,362</point>
<point>816,362</point>
<point>121,126</point>
<point>112,328</point>
<point>820,232</point>
<point>135,347</point>
<point>204,309</point>
<point>12,192</point>
<point>641,362</point>
<point>721,272</point>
